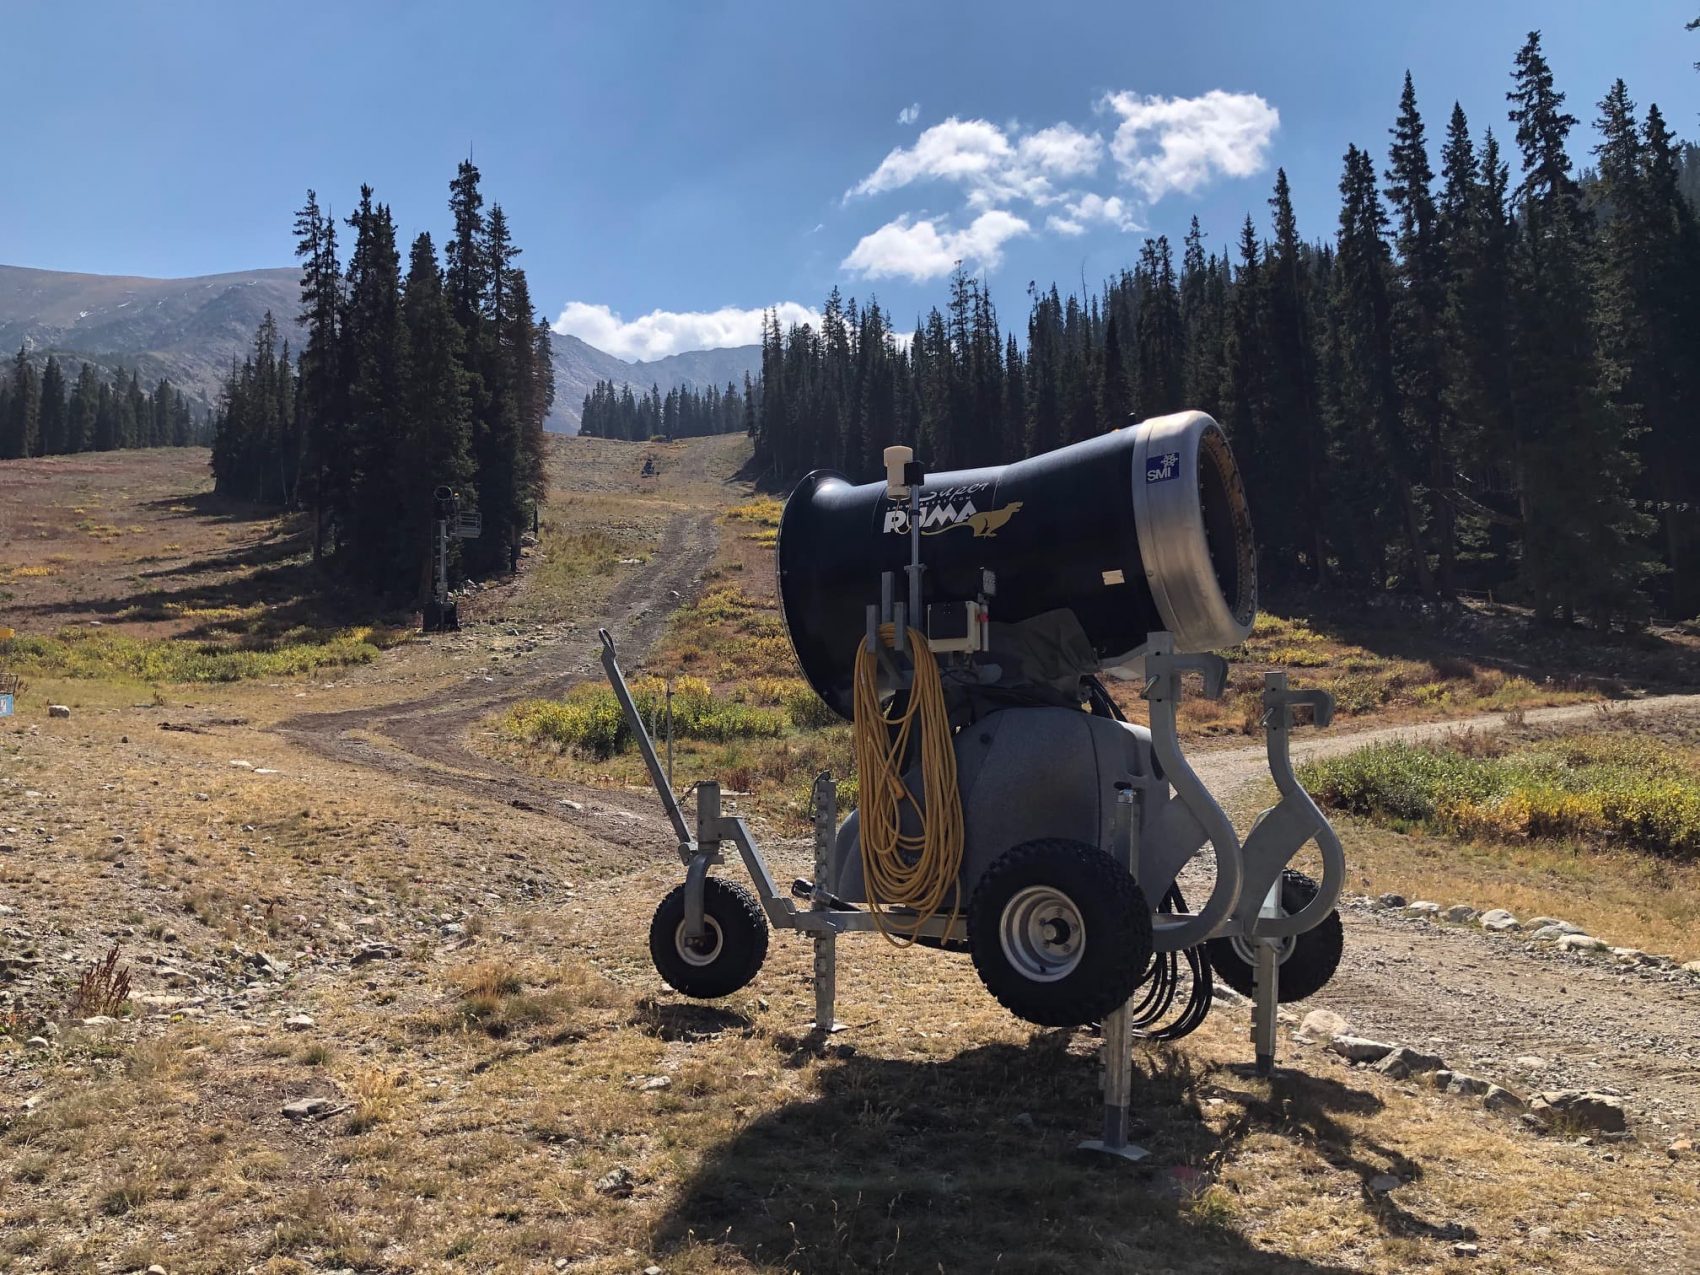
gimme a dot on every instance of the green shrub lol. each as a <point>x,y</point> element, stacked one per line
<point>590,722</point>
<point>1612,788</point>
<point>84,653</point>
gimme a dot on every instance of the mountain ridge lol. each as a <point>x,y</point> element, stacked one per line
<point>190,329</point>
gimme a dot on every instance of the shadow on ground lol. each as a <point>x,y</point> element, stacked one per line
<point>970,1164</point>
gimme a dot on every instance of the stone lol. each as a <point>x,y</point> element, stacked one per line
<point>1422,909</point>
<point>618,1183</point>
<point>1530,1062</point>
<point>1463,1248</point>
<point>1405,1061</point>
<point>299,1023</point>
<point>1460,913</point>
<point>1552,931</point>
<point>1391,900</point>
<point>99,1020</point>
<point>1358,1049</point>
<point>1580,1108</point>
<point>310,1108</point>
<point>155,1269</point>
<point>1323,1024</point>
<point>1692,967</point>
<point>453,930</point>
<point>652,1270</point>
<point>1382,1183</point>
<point>1470,1086</point>
<point>1507,925</point>
<point>374,952</point>
<point>1541,922</point>
<point>1581,943</point>
<point>37,1042</point>
<point>58,710</point>
<point>1498,1098</point>
<point>653,1083</point>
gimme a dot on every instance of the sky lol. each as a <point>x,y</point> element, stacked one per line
<point>670,170</point>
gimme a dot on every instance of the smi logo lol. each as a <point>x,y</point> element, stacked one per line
<point>943,515</point>
<point>1160,469</point>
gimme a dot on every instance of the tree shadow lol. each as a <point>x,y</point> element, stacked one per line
<point>1495,636</point>
<point>211,507</point>
<point>971,1163</point>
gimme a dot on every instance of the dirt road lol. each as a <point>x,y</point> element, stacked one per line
<point>1488,1002</point>
<point>427,738</point>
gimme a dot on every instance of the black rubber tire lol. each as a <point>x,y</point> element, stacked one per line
<point>1113,912</point>
<point>737,923</point>
<point>1315,956</point>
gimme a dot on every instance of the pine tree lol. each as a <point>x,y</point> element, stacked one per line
<point>1299,463</point>
<point>1368,421</point>
<point>322,403</point>
<point>1580,554</point>
<point>1161,337</point>
<point>54,413</point>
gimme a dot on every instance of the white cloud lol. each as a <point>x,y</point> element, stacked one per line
<point>663,332</point>
<point>1062,151</point>
<point>1091,209</point>
<point>993,164</point>
<point>1167,144</point>
<point>926,248</point>
<point>909,114</point>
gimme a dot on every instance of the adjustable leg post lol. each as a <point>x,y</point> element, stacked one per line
<point>1117,1056</point>
<point>1265,1007</point>
<point>825,941</point>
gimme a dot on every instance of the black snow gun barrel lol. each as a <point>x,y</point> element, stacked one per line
<point>1140,530</point>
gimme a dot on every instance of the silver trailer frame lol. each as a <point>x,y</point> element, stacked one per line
<point>1244,902</point>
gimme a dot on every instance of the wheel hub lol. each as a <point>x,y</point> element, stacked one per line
<point>701,951</point>
<point>1042,934</point>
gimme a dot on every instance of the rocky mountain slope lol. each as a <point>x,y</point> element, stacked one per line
<point>189,330</point>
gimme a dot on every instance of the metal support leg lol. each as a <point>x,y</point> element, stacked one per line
<point>1266,980</point>
<point>826,941</point>
<point>1118,1027</point>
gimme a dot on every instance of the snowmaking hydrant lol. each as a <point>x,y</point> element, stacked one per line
<point>963,621</point>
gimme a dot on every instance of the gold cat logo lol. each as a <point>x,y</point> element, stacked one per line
<point>941,516</point>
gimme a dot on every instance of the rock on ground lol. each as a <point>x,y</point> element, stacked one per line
<point>1582,1108</point>
<point>1358,1049</point>
<point>1323,1024</point>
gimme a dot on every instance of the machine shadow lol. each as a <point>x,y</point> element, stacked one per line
<point>970,1164</point>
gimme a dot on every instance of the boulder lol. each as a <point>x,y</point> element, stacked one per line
<point>1460,913</point>
<point>1405,1061</point>
<point>1498,1098</point>
<point>617,1183</point>
<point>1692,967</point>
<point>1471,1086</point>
<point>1552,931</point>
<point>1498,921</point>
<point>310,1108</point>
<point>1581,943</point>
<point>1323,1024</point>
<point>1581,1109</point>
<point>1423,909</point>
<point>1358,1049</point>
<point>1391,900</point>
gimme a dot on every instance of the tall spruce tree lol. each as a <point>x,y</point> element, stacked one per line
<point>1581,554</point>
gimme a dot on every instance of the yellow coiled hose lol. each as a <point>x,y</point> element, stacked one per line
<point>902,870</point>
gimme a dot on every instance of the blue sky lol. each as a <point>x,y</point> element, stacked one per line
<point>681,166</point>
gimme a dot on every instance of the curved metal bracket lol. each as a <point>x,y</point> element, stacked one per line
<point>1163,691</point>
<point>1282,831</point>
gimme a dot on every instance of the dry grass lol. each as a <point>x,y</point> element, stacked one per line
<point>484,1082</point>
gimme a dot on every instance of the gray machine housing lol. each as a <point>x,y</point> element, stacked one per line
<point>1030,773</point>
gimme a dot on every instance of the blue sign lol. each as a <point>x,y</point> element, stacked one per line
<point>5,705</point>
<point>1159,469</point>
